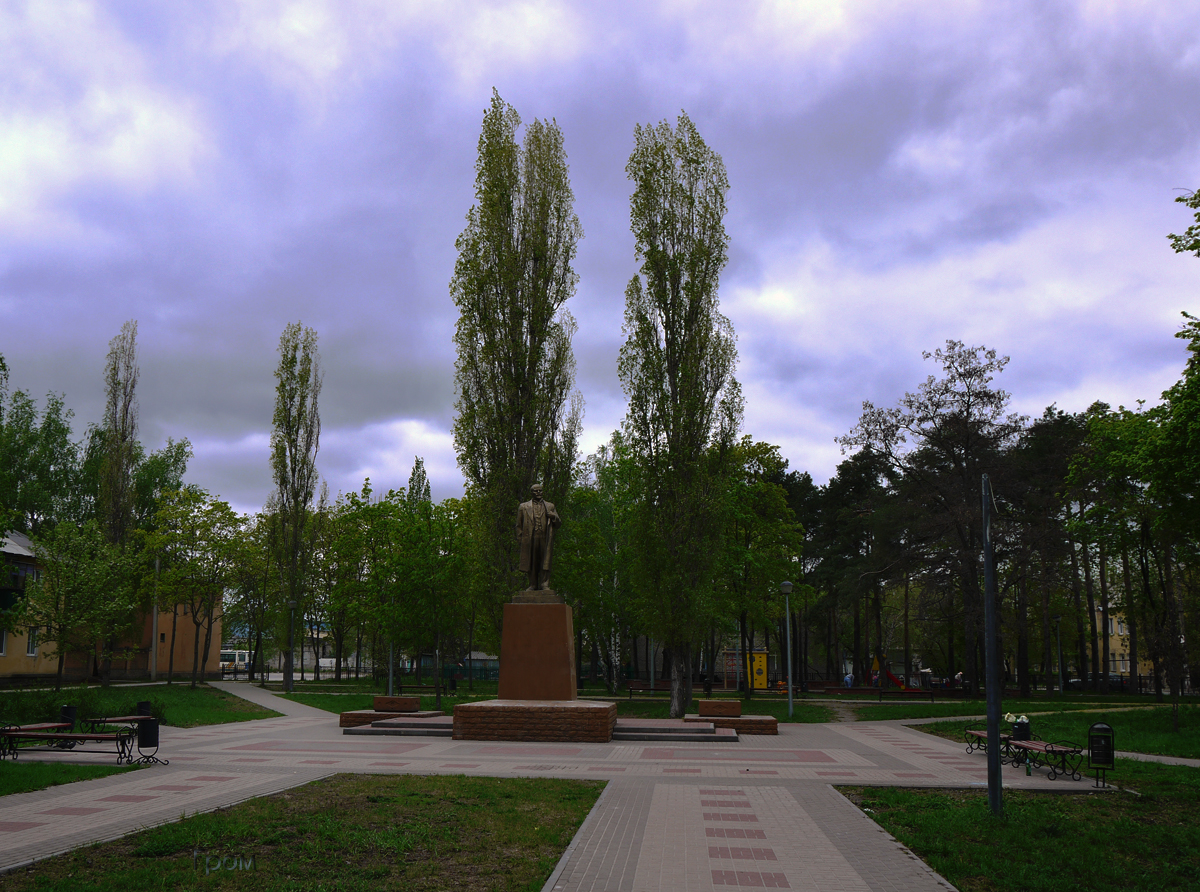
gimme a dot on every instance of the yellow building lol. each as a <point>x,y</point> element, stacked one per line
<point>25,656</point>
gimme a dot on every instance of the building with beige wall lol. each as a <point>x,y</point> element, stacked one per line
<point>26,657</point>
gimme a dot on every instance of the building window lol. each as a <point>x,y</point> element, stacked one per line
<point>31,643</point>
<point>1121,627</point>
<point>1110,625</point>
<point>3,642</point>
<point>162,637</point>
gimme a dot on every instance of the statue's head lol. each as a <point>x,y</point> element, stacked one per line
<point>536,489</point>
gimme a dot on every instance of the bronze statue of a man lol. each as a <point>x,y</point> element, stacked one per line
<point>536,522</point>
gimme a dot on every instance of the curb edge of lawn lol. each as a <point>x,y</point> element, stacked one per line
<point>13,868</point>
<point>575,840</point>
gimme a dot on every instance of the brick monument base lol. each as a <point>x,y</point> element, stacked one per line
<point>537,694</point>
<point>577,721</point>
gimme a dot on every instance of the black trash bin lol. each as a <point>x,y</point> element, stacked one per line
<point>148,734</point>
<point>67,714</point>
<point>1021,731</point>
<point>147,743</point>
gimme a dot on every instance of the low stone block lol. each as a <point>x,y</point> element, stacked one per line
<point>746,724</point>
<point>357,717</point>
<point>720,707</point>
<point>397,704</point>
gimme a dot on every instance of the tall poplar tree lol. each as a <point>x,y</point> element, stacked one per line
<point>518,414</point>
<point>295,438</point>
<point>116,495</point>
<point>677,368</point>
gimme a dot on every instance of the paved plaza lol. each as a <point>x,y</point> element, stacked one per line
<point>761,813</point>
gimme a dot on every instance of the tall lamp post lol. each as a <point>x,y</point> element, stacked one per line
<point>1058,634</point>
<point>786,588</point>
<point>291,656</point>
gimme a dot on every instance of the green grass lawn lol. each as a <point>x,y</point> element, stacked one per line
<point>25,777</point>
<point>916,709</point>
<point>1135,731</point>
<point>1148,840</point>
<point>660,708</point>
<point>178,705</point>
<point>346,702</point>
<point>644,708</point>
<point>348,832</point>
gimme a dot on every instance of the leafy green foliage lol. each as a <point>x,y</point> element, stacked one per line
<point>676,368</point>
<point>1189,242</point>
<point>518,416</point>
<point>85,598</point>
<point>295,438</point>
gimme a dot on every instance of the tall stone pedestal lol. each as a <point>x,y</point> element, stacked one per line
<point>537,694</point>
<point>537,653</point>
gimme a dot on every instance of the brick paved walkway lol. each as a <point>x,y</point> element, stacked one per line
<point>760,813</point>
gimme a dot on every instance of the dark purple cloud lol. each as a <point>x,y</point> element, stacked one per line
<point>900,175</point>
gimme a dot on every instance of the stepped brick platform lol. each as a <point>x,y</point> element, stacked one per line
<point>577,721</point>
<point>709,708</point>
<point>412,725</point>
<point>358,717</point>
<point>384,703</point>
<point>744,724</point>
<point>672,731</point>
<point>386,708</point>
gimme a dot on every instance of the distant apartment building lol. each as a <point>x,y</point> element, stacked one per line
<point>26,657</point>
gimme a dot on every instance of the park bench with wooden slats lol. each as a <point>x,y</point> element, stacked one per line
<point>636,684</point>
<point>977,739</point>
<point>1060,758</point>
<point>57,734</point>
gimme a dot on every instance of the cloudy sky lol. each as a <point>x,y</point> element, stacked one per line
<point>901,174</point>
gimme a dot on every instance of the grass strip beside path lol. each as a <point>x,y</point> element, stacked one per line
<point>642,708</point>
<point>177,705</point>
<point>882,712</point>
<point>1042,842</point>
<point>347,832</point>
<point>1135,731</point>
<point>25,777</point>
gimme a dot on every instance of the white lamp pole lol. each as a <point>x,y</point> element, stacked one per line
<point>786,588</point>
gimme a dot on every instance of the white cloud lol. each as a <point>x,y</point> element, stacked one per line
<point>82,109</point>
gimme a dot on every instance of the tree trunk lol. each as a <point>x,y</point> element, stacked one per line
<point>1023,632</point>
<point>1175,656</point>
<point>1130,620</point>
<point>171,656</point>
<point>746,659</point>
<point>1090,589</point>
<point>1104,641</point>
<point>207,642</point>
<point>950,631</point>
<point>1047,636</point>
<point>195,647</point>
<point>1077,598</point>
<point>681,680</point>
<point>858,655</point>
<point>712,662</point>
